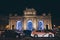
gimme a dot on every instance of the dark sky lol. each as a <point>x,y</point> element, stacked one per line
<point>17,6</point>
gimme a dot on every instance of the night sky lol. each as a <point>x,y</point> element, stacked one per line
<point>41,6</point>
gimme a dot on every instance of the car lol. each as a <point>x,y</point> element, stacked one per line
<point>38,33</point>
<point>10,34</point>
<point>22,34</point>
<point>27,33</point>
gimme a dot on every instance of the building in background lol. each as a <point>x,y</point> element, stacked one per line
<point>3,22</point>
<point>30,21</point>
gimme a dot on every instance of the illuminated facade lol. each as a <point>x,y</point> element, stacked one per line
<point>30,21</point>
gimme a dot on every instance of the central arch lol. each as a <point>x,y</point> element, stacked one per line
<point>29,25</point>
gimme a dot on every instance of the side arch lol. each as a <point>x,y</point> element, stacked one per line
<point>19,25</point>
<point>40,25</point>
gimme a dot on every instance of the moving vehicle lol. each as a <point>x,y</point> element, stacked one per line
<point>24,33</point>
<point>39,33</point>
<point>10,34</point>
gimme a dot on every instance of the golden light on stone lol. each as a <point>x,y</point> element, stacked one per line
<point>7,27</point>
<point>30,14</point>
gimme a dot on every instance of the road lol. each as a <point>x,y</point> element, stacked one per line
<point>29,38</point>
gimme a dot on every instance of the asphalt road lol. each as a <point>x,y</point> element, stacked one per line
<point>30,38</point>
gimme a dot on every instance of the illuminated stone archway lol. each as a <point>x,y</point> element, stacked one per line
<point>29,25</point>
<point>30,15</point>
<point>40,25</point>
<point>19,25</point>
